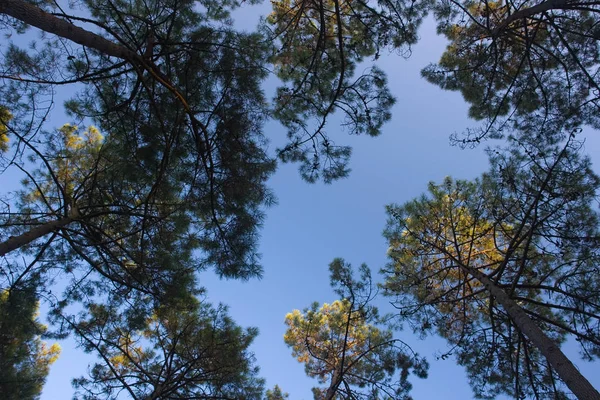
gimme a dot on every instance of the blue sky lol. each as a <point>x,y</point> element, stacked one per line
<point>313,224</point>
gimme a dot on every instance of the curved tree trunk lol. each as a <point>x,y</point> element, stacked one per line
<point>37,17</point>
<point>530,11</point>
<point>14,242</point>
<point>575,381</point>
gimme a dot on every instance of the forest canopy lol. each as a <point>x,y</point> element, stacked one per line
<point>137,132</point>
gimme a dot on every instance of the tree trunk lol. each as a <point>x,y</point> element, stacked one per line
<point>334,384</point>
<point>530,11</point>
<point>14,242</point>
<point>35,16</point>
<point>565,369</point>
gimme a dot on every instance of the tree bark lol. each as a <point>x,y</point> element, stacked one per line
<point>35,16</point>
<point>527,12</point>
<point>574,380</point>
<point>336,379</point>
<point>15,242</point>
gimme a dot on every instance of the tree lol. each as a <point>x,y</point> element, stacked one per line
<point>342,347</point>
<point>95,227</point>
<point>159,203</point>
<point>180,351</point>
<point>177,184</point>
<point>505,268</point>
<point>276,394</point>
<point>145,123</point>
<point>319,45</point>
<point>24,359</point>
<point>530,64</point>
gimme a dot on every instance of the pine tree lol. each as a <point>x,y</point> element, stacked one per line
<point>319,46</point>
<point>529,65</point>
<point>505,269</point>
<point>276,394</point>
<point>24,358</point>
<point>341,345</point>
<point>183,350</point>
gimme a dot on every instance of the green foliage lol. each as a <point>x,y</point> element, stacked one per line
<point>216,165</point>
<point>24,359</point>
<point>529,226</point>
<point>176,185</point>
<point>81,178</point>
<point>181,351</point>
<point>341,346</point>
<point>530,65</point>
<point>321,43</point>
<point>276,394</point>
<point>73,158</point>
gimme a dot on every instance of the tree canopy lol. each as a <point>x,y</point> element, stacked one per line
<point>174,184</point>
<point>276,394</point>
<point>342,347</point>
<point>524,236</point>
<point>319,46</point>
<point>528,65</point>
<point>158,171</point>
<point>183,351</point>
<point>25,359</point>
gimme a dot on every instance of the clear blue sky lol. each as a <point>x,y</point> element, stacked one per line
<point>312,224</point>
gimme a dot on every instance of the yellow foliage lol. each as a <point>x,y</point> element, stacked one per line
<point>5,116</point>
<point>130,352</point>
<point>49,355</point>
<point>77,157</point>
<point>321,338</point>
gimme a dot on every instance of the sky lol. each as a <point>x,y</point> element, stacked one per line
<point>314,223</point>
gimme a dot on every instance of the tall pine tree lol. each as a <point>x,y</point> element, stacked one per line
<point>505,269</point>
